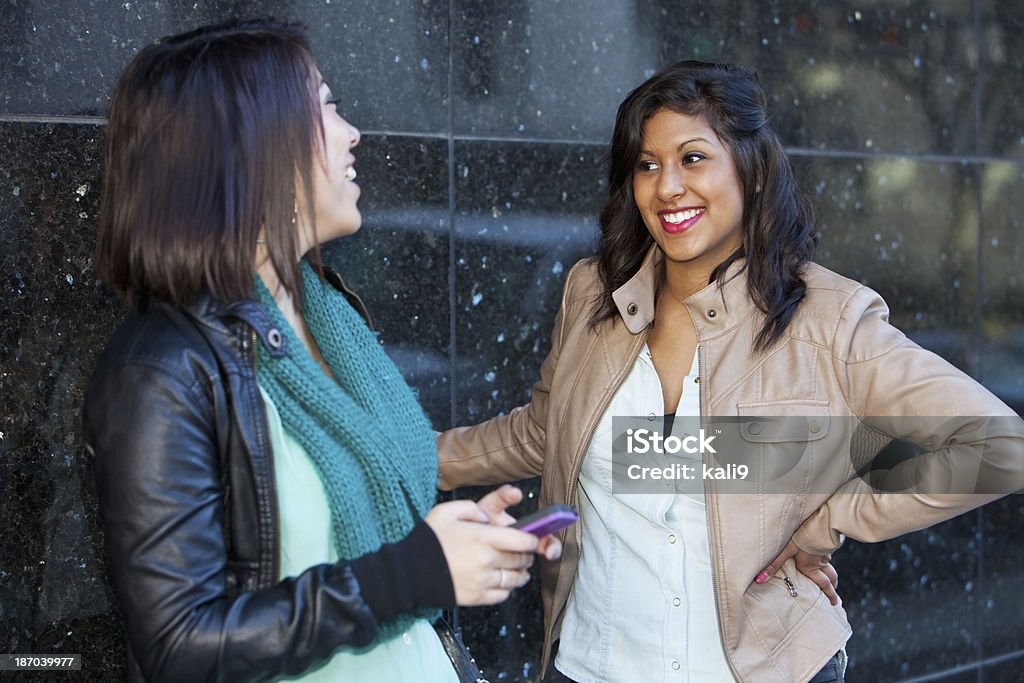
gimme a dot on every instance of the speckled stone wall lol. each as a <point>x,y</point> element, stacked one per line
<point>484,123</point>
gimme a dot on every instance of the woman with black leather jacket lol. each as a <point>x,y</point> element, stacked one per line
<point>266,477</point>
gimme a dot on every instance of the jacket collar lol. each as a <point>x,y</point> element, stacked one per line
<point>216,315</point>
<point>714,309</point>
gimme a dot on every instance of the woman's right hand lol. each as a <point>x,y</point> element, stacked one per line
<point>486,562</point>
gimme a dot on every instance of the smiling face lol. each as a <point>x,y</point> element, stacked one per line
<point>688,191</point>
<point>335,193</point>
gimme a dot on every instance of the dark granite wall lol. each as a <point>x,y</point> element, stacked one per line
<point>484,123</point>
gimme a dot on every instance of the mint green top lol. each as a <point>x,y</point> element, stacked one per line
<point>413,655</point>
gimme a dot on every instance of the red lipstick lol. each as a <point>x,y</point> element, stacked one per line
<point>675,221</point>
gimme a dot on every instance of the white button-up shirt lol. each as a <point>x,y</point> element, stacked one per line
<point>642,606</point>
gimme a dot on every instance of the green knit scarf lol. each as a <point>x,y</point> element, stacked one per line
<point>365,432</point>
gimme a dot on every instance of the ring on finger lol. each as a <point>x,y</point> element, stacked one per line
<point>501,578</point>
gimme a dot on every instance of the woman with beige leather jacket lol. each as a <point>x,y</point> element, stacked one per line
<point>702,308</point>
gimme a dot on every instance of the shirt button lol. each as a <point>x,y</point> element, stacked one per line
<point>696,380</point>
<point>651,417</point>
<point>712,313</point>
<point>676,602</point>
<point>671,538</point>
<point>631,309</point>
<point>675,665</point>
<point>814,427</point>
<point>406,638</point>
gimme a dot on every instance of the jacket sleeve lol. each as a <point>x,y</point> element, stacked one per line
<point>973,443</point>
<point>162,503</point>
<point>511,446</point>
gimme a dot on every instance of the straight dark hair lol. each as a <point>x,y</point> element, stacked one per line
<point>778,229</point>
<point>211,136</point>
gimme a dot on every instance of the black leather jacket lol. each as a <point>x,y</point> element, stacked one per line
<point>175,421</point>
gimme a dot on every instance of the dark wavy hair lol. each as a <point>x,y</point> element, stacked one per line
<point>779,234</point>
<point>211,136</point>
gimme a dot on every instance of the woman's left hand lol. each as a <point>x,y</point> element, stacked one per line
<point>497,501</point>
<point>817,568</point>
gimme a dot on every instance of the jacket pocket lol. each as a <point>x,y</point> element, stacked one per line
<point>779,446</point>
<point>800,421</point>
<point>775,609</point>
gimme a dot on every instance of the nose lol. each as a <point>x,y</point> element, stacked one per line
<point>671,183</point>
<point>355,136</point>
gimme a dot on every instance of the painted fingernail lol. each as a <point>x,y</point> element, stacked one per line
<point>761,578</point>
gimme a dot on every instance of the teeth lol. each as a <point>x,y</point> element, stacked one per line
<point>681,216</point>
<point>350,173</point>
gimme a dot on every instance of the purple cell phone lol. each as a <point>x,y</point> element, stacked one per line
<point>547,521</point>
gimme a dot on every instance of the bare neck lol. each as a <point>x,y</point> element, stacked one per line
<point>683,280</point>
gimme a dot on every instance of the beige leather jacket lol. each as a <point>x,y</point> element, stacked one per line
<point>840,360</point>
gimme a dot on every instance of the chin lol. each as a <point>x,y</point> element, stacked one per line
<point>341,228</point>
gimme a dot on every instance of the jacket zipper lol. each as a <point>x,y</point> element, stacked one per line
<point>707,484</point>
<point>702,394</point>
<point>571,489</point>
<point>276,559</point>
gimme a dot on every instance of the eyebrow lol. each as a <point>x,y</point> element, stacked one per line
<point>696,139</point>
<point>680,146</point>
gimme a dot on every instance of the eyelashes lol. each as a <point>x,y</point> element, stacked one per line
<point>687,159</point>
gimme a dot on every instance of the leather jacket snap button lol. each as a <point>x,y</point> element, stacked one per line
<point>814,427</point>
<point>712,313</point>
<point>631,309</point>
<point>754,428</point>
<point>274,338</point>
